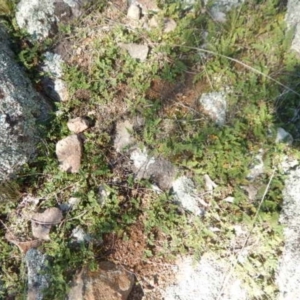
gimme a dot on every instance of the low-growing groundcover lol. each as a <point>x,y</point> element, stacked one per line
<point>248,58</point>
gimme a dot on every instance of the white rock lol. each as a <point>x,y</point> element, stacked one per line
<point>283,136</point>
<point>134,12</point>
<point>54,85</point>
<point>288,274</point>
<point>69,151</point>
<point>292,20</point>
<point>124,136</point>
<point>203,280</point>
<point>78,125</point>
<point>79,235</point>
<point>36,17</point>
<point>186,194</point>
<point>136,50</point>
<point>209,184</point>
<point>258,166</point>
<point>214,104</point>
<point>141,159</point>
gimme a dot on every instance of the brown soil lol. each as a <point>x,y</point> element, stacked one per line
<point>152,273</point>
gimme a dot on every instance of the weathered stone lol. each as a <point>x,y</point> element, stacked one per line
<point>108,282</point>
<point>78,125</point>
<point>186,195</point>
<point>124,136</point>
<point>204,280</point>
<point>69,151</point>
<point>136,51</point>
<point>161,171</point>
<point>283,136</point>
<point>41,223</point>
<point>53,84</point>
<point>36,274</point>
<point>168,24</point>
<point>20,108</point>
<point>134,12</point>
<point>214,104</point>
<point>288,277</point>
<point>40,17</point>
<point>292,20</point>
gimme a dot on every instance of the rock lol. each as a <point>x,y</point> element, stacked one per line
<point>136,51</point>
<point>108,282</point>
<point>69,152</point>
<point>78,124</point>
<point>124,136</point>
<point>258,167</point>
<point>203,280</point>
<point>147,6</point>
<point>41,223</point>
<point>283,136</point>
<point>186,195</point>
<point>168,24</point>
<point>54,86</point>
<point>134,12</point>
<point>220,7</point>
<point>21,107</point>
<point>40,17</point>
<point>288,275</point>
<point>161,171</point>
<point>214,104</point>
<point>36,274</point>
<point>292,20</point>
<point>80,236</point>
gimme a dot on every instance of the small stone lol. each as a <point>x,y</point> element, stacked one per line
<point>136,51</point>
<point>124,136</point>
<point>169,25</point>
<point>69,151</point>
<point>214,104</point>
<point>185,193</point>
<point>78,124</point>
<point>134,12</point>
<point>283,136</point>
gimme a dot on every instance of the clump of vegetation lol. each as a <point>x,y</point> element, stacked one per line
<point>248,58</point>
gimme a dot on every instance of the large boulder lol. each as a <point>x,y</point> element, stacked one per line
<point>288,277</point>
<point>20,107</point>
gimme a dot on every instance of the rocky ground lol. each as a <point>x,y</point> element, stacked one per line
<point>149,150</point>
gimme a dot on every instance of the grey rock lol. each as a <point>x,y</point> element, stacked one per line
<point>69,152</point>
<point>36,274</point>
<point>283,136</point>
<point>258,166</point>
<point>161,171</point>
<point>288,276</point>
<point>20,109</point>
<point>136,51</point>
<point>54,85</point>
<point>40,17</point>
<point>292,20</point>
<point>123,138</point>
<point>220,7</point>
<point>185,193</point>
<point>203,280</point>
<point>214,104</point>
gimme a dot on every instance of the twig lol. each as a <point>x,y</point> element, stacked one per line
<point>228,276</point>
